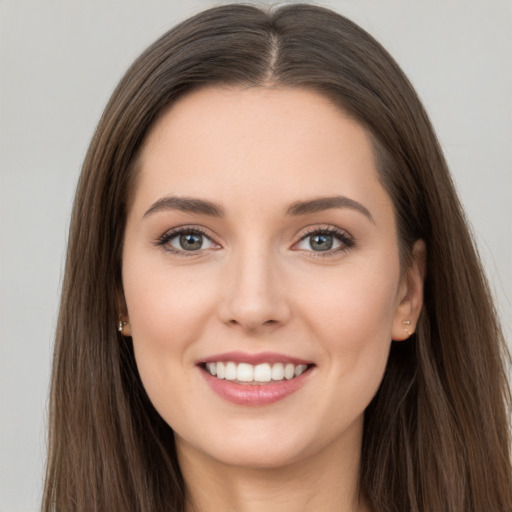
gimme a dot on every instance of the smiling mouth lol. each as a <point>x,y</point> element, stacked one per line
<point>264,373</point>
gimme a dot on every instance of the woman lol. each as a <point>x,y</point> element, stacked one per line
<point>271,298</point>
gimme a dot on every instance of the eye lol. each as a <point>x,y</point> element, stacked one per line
<point>186,240</point>
<point>324,240</point>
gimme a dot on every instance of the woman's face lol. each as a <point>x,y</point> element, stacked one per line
<point>261,246</point>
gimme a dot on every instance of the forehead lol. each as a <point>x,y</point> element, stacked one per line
<point>256,144</point>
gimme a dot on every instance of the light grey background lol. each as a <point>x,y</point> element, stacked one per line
<point>59,61</point>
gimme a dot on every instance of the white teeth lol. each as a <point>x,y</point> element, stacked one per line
<point>230,371</point>
<point>220,370</point>
<point>277,371</point>
<point>264,372</point>
<point>245,372</point>
<point>299,370</point>
<point>289,371</point>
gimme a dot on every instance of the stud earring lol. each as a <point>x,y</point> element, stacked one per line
<point>407,322</point>
<point>120,326</point>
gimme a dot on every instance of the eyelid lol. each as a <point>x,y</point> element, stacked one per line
<point>346,240</point>
<point>163,240</point>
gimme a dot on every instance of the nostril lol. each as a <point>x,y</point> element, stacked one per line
<point>252,324</point>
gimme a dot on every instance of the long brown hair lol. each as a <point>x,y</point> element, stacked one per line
<point>436,435</point>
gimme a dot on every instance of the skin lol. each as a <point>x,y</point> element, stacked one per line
<point>257,285</point>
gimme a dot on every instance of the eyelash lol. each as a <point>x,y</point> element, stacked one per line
<point>164,240</point>
<point>346,241</point>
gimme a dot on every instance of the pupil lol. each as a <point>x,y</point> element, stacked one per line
<point>191,241</point>
<point>321,242</point>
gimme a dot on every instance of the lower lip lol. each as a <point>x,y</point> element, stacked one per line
<point>255,394</point>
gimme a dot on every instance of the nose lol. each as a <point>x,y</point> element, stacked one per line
<point>254,295</point>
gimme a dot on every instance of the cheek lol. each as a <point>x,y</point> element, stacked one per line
<point>355,300</point>
<point>166,310</point>
<point>352,317</point>
<point>162,300</point>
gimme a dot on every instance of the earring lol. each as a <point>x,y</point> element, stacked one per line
<point>407,322</point>
<point>120,325</point>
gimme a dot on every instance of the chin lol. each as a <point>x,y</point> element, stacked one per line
<point>256,456</point>
<point>258,446</point>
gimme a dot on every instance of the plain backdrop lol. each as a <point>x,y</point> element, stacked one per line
<point>59,61</point>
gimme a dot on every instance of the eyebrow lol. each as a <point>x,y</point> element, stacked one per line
<point>202,207</point>
<point>326,203</point>
<point>186,204</point>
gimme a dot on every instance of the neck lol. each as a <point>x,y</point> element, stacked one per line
<point>326,481</point>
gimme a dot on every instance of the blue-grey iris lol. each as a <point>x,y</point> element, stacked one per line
<point>191,241</point>
<point>321,242</point>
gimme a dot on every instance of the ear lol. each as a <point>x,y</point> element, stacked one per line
<point>123,321</point>
<point>410,294</point>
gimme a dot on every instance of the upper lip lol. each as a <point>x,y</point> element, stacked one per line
<point>254,359</point>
